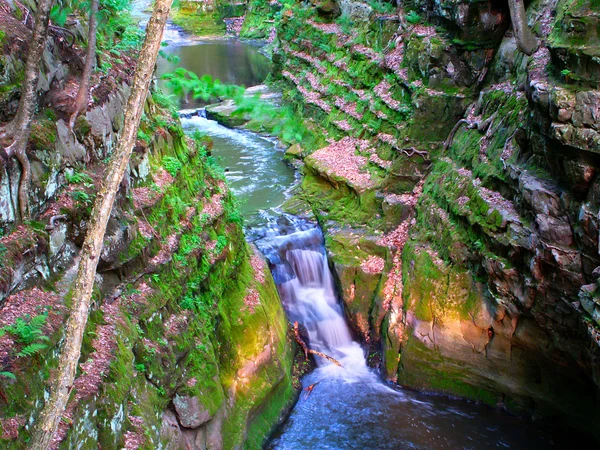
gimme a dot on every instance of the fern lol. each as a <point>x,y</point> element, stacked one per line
<point>8,375</point>
<point>32,349</point>
<point>27,330</point>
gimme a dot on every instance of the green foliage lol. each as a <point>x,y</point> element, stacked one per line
<point>221,244</point>
<point>61,10</point>
<point>174,59</point>
<point>50,114</point>
<point>81,196</point>
<point>172,165</point>
<point>381,7</point>
<point>143,136</point>
<point>413,17</point>
<point>346,23</point>
<point>27,330</point>
<point>78,178</point>
<point>9,375</point>
<point>117,29</point>
<point>183,82</point>
<point>278,120</point>
<point>162,100</point>
<point>31,349</point>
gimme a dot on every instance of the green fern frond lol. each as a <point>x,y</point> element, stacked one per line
<point>31,349</point>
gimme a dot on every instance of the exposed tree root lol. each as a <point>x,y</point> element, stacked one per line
<point>52,223</point>
<point>19,129</point>
<point>412,151</point>
<point>481,126</point>
<point>456,127</point>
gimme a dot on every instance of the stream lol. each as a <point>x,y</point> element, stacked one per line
<point>350,407</point>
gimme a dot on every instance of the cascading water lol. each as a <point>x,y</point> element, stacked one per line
<point>350,407</point>
<point>308,293</point>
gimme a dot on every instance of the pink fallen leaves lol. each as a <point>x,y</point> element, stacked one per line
<point>343,125</point>
<point>367,52</point>
<point>313,61</point>
<point>252,300</point>
<point>327,28</point>
<point>373,265</point>
<point>348,107</point>
<point>375,159</point>
<point>162,178</point>
<point>258,265</point>
<point>424,31</point>
<point>135,439</point>
<point>143,197</point>
<point>392,291</point>
<point>393,60</point>
<point>214,206</point>
<point>383,91</point>
<point>234,25</point>
<point>396,239</point>
<point>340,159</point>
<point>309,96</point>
<point>315,84</point>
<point>11,427</point>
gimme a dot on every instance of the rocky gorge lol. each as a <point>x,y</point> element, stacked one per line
<point>452,169</point>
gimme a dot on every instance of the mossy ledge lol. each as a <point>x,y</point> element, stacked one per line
<point>187,338</point>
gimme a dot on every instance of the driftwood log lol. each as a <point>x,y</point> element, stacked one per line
<point>308,351</point>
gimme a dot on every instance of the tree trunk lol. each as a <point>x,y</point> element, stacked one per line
<point>526,41</point>
<point>83,94</point>
<point>19,129</point>
<point>63,382</point>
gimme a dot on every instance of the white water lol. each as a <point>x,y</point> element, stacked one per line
<point>349,407</point>
<point>308,293</point>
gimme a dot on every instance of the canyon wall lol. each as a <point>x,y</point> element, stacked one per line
<point>186,344</point>
<point>456,178</point>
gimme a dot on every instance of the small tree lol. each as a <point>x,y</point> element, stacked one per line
<point>92,246</point>
<point>19,130</point>
<point>526,41</point>
<point>83,94</point>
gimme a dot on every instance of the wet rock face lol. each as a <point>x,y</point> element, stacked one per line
<point>190,412</point>
<point>475,23</point>
<point>574,40</point>
<point>497,298</point>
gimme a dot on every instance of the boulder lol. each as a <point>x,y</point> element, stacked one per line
<point>190,412</point>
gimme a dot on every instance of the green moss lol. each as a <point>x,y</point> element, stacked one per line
<point>198,22</point>
<point>43,134</point>
<point>261,16</point>
<point>424,368</point>
<point>341,203</point>
<point>243,334</point>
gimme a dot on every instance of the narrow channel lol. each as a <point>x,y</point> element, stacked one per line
<point>349,407</point>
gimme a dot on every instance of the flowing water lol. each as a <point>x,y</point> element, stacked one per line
<point>253,166</point>
<point>349,406</point>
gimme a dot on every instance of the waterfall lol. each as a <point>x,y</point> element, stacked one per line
<point>307,290</point>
